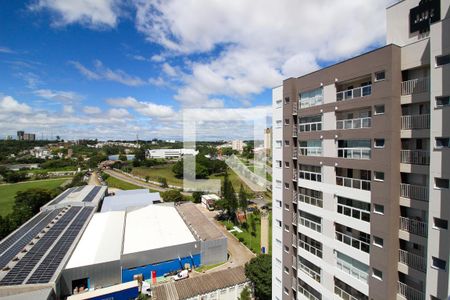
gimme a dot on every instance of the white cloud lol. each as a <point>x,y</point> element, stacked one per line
<point>169,70</point>
<point>101,72</point>
<point>10,105</point>
<point>90,13</point>
<point>157,58</point>
<point>148,109</point>
<point>258,45</point>
<point>6,50</point>
<point>118,113</point>
<point>90,110</point>
<point>68,109</point>
<point>62,96</point>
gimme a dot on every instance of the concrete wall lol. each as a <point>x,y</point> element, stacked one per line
<point>214,252</point>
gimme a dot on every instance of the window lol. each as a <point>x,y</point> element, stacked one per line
<point>278,163</point>
<point>379,143</point>
<point>377,241</point>
<point>378,176</point>
<point>286,228</point>
<point>278,203</point>
<point>286,121</point>
<point>438,263</point>
<point>278,242</point>
<point>442,101</point>
<point>278,103</point>
<point>278,143</point>
<point>286,185</point>
<point>379,110</point>
<point>278,223</point>
<point>278,123</point>
<point>308,172</point>
<point>286,206</point>
<point>286,100</point>
<point>379,209</point>
<point>441,183</point>
<point>286,143</point>
<point>442,60</point>
<point>286,248</point>
<point>440,223</point>
<point>278,184</point>
<point>286,164</point>
<point>379,76</point>
<point>278,280</point>
<point>442,143</point>
<point>311,98</point>
<point>377,274</point>
<point>286,290</point>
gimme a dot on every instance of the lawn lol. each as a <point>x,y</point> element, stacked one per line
<point>8,191</point>
<point>252,242</point>
<point>122,185</point>
<point>158,171</point>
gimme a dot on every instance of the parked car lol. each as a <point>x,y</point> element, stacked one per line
<point>181,275</point>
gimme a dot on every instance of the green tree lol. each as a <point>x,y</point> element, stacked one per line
<point>229,196</point>
<point>163,182</point>
<point>147,178</point>
<point>197,196</point>
<point>256,270</point>
<point>139,154</point>
<point>172,196</point>
<point>245,294</point>
<point>243,200</point>
<point>122,157</point>
<point>177,169</point>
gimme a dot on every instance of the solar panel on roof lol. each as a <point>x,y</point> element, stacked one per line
<point>50,264</point>
<point>22,269</point>
<point>92,194</point>
<point>22,241</point>
<point>61,196</point>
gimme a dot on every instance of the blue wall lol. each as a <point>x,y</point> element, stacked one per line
<point>127,294</point>
<point>160,268</point>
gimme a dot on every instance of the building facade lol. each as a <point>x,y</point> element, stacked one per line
<point>361,169</point>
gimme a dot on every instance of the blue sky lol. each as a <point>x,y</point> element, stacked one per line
<point>111,69</point>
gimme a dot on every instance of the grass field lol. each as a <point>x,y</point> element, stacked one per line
<point>119,184</point>
<point>8,191</point>
<point>166,171</point>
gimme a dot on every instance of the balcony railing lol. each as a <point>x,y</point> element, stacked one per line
<point>415,86</point>
<point>353,212</point>
<point>308,271</point>
<point>294,131</point>
<point>294,153</point>
<point>351,270</point>
<point>311,151</point>
<point>354,153</point>
<point>354,93</point>
<point>343,294</point>
<point>354,123</point>
<point>294,175</point>
<point>294,196</point>
<point>351,241</point>
<point>413,226</point>
<point>294,240</point>
<point>294,283</point>
<point>354,183</point>
<point>412,260</point>
<point>416,192</point>
<point>306,293</point>
<point>294,262</point>
<point>310,224</point>
<point>294,108</point>
<point>312,126</point>
<point>410,293</point>
<point>416,121</point>
<point>294,218</point>
<point>316,251</point>
<point>311,200</point>
<point>415,157</point>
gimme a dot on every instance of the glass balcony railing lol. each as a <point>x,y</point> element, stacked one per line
<point>354,123</point>
<point>354,183</point>
<point>353,271</point>
<point>352,241</point>
<point>354,153</point>
<point>358,92</point>
<point>310,151</point>
<point>311,200</point>
<point>308,271</point>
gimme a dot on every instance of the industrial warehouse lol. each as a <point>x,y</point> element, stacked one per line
<point>74,245</point>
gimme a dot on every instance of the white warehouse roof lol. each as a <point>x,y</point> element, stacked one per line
<point>130,199</point>
<point>101,242</point>
<point>154,227</point>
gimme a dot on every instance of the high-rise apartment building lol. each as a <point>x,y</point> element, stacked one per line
<point>361,169</point>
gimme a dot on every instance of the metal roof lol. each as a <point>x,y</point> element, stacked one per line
<point>200,285</point>
<point>134,199</point>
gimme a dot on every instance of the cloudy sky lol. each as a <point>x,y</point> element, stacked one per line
<point>113,69</point>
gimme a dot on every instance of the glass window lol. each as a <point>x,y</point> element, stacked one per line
<point>377,274</point>
<point>442,101</point>
<point>442,60</point>
<point>439,263</point>
<point>441,183</point>
<point>440,223</point>
<point>378,241</point>
<point>378,208</point>
<point>379,176</point>
<point>442,143</point>
<point>379,109</point>
<point>379,143</point>
<point>380,76</point>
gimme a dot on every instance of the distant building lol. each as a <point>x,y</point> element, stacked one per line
<point>20,135</point>
<point>41,152</point>
<point>237,145</point>
<point>268,140</point>
<point>169,153</point>
<point>8,137</point>
<point>209,201</point>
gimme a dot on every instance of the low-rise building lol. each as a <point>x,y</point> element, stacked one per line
<point>209,201</point>
<point>169,153</point>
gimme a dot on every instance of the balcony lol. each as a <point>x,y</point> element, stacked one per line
<point>310,126</point>
<point>412,260</point>
<point>294,131</point>
<point>358,92</point>
<point>353,183</point>
<point>354,123</point>
<point>413,226</point>
<point>311,200</point>
<point>310,224</point>
<point>410,293</point>
<point>294,283</point>
<point>343,294</point>
<point>294,108</point>
<point>346,267</point>
<point>354,153</point>
<point>294,262</point>
<point>415,86</point>
<point>415,192</point>
<point>308,271</point>
<point>294,240</point>
<point>294,175</point>
<point>416,121</point>
<point>353,241</point>
<point>310,151</point>
<point>294,195</point>
<point>294,153</point>
<point>294,218</point>
<point>415,157</point>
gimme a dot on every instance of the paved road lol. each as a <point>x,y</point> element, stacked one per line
<point>93,180</point>
<point>239,254</point>
<point>265,231</point>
